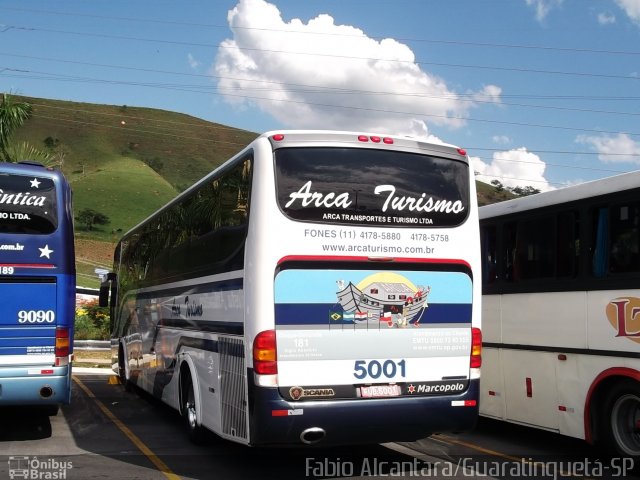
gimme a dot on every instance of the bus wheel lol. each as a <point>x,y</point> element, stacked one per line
<point>51,410</point>
<point>196,432</point>
<point>122,371</point>
<point>621,421</point>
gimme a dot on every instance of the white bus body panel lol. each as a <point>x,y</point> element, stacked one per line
<point>559,385</point>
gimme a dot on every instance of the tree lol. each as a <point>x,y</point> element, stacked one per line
<point>497,185</point>
<point>12,116</point>
<point>525,191</point>
<point>26,151</point>
<point>51,142</point>
<point>89,217</point>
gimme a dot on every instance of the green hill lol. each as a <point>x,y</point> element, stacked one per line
<point>125,162</point>
<point>126,190</point>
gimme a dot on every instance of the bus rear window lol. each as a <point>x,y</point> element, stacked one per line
<point>27,204</point>
<point>371,187</point>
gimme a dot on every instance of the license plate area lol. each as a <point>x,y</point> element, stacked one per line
<point>380,391</point>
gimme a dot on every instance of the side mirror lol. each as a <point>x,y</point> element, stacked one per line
<point>103,298</point>
<point>105,290</point>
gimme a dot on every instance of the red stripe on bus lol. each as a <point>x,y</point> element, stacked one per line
<point>611,372</point>
<point>320,258</point>
<point>28,265</point>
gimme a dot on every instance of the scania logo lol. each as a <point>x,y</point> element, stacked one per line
<point>297,393</point>
<point>624,315</point>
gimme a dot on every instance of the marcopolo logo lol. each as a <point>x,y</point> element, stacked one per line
<point>624,315</point>
<point>436,387</point>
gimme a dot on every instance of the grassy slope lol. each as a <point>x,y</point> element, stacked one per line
<point>107,161</point>
<point>487,194</point>
<point>126,189</point>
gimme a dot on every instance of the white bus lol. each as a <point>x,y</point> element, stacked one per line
<point>561,312</point>
<point>318,287</point>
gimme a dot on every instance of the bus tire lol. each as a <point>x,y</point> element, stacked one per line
<point>195,432</point>
<point>620,427</point>
<point>51,410</point>
<point>122,371</point>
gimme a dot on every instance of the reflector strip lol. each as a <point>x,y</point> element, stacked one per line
<point>286,413</point>
<point>38,371</point>
<point>464,403</point>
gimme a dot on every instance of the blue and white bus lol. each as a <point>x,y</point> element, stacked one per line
<point>317,288</point>
<point>37,286</point>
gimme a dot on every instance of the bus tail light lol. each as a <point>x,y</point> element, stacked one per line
<point>375,139</point>
<point>62,346</point>
<point>476,348</point>
<point>264,353</point>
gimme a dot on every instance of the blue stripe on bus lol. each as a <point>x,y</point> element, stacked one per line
<point>235,328</point>
<point>27,331</point>
<point>28,351</point>
<point>26,342</point>
<point>321,314</point>
<point>217,286</point>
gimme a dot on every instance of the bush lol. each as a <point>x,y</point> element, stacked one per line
<point>92,322</point>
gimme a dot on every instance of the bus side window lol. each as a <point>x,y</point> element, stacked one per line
<point>568,244</point>
<point>600,242</point>
<point>624,254</point>
<point>510,241</point>
<point>489,252</point>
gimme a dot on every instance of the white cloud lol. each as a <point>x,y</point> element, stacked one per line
<point>631,8</point>
<point>543,7</point>
<point>489,93</point>
<point>501,139</point>
<point>320,74</point>
<point>618,149</point>
<point>513,168</point>
<point>193,63</point>
<point>606,18</point>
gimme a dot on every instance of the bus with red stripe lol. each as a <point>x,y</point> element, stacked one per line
<point>37,286</point>
<point>561,312</point>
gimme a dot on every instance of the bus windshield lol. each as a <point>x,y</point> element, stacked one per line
<point>27,204</point>
<point>371,187</point>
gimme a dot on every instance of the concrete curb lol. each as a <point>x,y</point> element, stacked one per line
<point>92,345</point>
<point>91,371</point>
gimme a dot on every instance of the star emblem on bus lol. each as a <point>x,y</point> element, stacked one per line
<point>35,183</point>
<point>45,251</point>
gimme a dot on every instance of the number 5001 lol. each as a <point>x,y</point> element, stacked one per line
<point>375,369</point>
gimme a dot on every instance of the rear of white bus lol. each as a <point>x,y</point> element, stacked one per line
<point>362,290</point>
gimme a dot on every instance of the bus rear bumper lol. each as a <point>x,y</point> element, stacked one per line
<point>30,386</point>
<point>344,422</point>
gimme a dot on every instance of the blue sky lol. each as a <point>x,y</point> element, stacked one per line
<point>543,93</point>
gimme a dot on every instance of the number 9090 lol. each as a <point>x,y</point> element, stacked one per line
<point>36,316</point>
